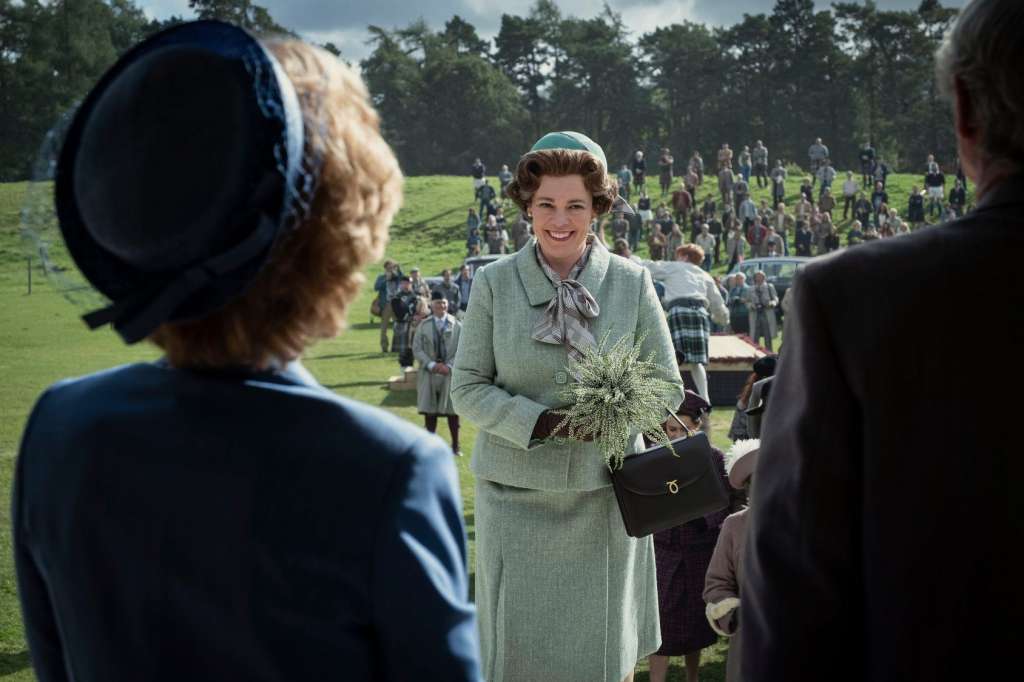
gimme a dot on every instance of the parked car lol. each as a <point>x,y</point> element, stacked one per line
<point>474,263</point>
<point>778,271</point>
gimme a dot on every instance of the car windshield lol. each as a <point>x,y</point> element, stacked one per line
<point>772,270</point>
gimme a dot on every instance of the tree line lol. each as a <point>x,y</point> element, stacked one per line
<point>847,74</point>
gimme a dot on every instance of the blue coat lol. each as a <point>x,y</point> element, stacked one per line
<point>181,525</point>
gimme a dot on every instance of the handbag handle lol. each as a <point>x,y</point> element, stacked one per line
<point>689,431</point>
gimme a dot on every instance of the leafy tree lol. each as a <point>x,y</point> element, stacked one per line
<point>243,13</point>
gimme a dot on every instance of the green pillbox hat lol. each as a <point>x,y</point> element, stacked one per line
<point>569,139</point>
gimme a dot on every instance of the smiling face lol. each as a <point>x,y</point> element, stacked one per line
<point>562,209</point>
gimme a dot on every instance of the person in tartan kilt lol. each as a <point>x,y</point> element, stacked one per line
<point>692,300</point>
<point>403,306</point>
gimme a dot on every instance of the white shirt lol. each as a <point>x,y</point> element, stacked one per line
<point>850,187</point>
<point>686,280</point>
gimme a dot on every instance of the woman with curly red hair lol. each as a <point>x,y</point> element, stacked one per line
<point>218,514</point>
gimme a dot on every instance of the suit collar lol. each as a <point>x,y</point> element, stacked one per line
<point>540,290</point>
<point>1009,191</point>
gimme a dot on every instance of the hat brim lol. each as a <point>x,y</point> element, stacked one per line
<point>743,468</point>
<point>112,276</point>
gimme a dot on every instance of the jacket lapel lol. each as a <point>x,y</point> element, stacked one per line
<point>539,289</point>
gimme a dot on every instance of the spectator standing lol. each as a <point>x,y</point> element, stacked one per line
<point>958,197</point>
<point>816,155</point>
<point>756,234</point>
<point>665,164</point>
<point>485,194</point>
<point>762,300</point>
<point>697,166</point>
<point>745,161</point>
<point>826,175</point>
<point>717,231</point>
<point>625,177</point>
<point>674,238</point>
<point>850,189</point>
<point>930,166</point>
<point>736,302</point>
<point>495,236</point>
<point>620,226</point>
<point>450,290</point>
<point>747,212</point>
<point>403,307</point>
<point>772,246</point>
<point>826,203</point>
<point>740,192</point>
<point>434,345</point>
<point>465,283</point>
<point>782,222</point>
<point>387,286</point>
<point>881,172</point>
<point>725,157</point>
<point>706,241</point>
<point>418,284</point>
<point>473,242</point>
<point>639,168</point>
<point>636,224</point>
<point>478,172</point>
<point>504,177</point>
<point>867,164</point>
<point>726,180</point>
<point>472,221</point>
<point>807,189</point>
<point>682,202</point>
<point>878,199</point>
<point>862,209</point>
<point>759,156</point>
<point>915,207</point>
<point>831,239</point>
<point>935,184</point>
<point>803,239</point>
<point>778,183</point>
<point>521,232</point>
<point>743,428</point>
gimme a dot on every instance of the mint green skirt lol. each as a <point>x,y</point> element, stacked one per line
<point>562,592</point>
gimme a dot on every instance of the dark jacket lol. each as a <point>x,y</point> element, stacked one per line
<point>179,525</point>
<point>885,508</point>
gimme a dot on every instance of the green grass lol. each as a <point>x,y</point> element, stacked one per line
<point>43,340</point>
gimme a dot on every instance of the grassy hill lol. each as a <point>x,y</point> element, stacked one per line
<point>43,340</point>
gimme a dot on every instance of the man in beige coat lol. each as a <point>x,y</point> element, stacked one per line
<point>434,346</point>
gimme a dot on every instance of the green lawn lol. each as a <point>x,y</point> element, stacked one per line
<point>43,340</point>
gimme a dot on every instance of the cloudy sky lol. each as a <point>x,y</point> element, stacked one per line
<point>344,22</point>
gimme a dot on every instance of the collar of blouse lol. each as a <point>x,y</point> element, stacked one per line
<point>540,290</point>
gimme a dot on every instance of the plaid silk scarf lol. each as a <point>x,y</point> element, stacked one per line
<point>566,321</point>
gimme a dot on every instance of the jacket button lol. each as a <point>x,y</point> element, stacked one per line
<point>561,377</point>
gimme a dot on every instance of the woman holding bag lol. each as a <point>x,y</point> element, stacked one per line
<point>563,592</point>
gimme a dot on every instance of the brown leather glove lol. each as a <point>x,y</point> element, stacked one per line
<point>545,427</point>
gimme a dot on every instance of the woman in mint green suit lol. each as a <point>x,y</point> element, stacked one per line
<point>562,592</point>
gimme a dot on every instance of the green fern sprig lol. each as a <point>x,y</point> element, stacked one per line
<point>616,394</point>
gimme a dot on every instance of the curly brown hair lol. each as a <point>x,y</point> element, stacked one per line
<point>561,162</point>
<point>315,271</point>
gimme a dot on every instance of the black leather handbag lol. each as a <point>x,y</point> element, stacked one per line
<point>658,489</point>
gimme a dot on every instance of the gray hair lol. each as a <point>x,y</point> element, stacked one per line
<point>983,51</point>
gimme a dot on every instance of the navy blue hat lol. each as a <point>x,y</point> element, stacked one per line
<point>176,175</point>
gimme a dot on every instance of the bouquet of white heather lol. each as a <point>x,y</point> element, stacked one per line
<point>615,395</point>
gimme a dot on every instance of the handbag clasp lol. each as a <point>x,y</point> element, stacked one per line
<point>673,486</point>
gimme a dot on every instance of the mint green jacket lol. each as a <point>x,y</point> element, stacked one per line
<point>503,380</point>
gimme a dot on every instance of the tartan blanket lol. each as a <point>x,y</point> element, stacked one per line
<point>690,327</point>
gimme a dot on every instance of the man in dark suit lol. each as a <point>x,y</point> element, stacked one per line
<point>888,490</point>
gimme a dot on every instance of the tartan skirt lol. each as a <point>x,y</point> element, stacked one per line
<point>690,326</point>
